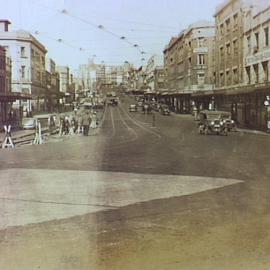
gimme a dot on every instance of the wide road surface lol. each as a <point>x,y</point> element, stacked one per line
<point>137,196</point>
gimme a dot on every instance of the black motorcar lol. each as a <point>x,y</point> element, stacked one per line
<point>211,122</point>
<point>164,110</point>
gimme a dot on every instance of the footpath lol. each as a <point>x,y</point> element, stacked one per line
<point>26,136</point>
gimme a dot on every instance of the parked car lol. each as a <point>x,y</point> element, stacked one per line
<point>212,122</point>
<point>133,108</point>
<point>164,110</point>
<point>230,123</point>
<point>155,106</point>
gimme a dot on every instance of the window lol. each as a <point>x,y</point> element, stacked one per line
<point>235,47</point>
<point>228,48</point>
<point>23,72</point>
<point>248,75</point>
<point>228,77</point>
<point>256,71</point>
<point>221,51</point>
<point>38,78</point>
<point>249,44</point>
<point>265,69</point>
<point>235,75</point>
<point>201,59</point>
<point>200,42</point>
<point>228,25</point>
<point>189,61</point>
<point>23,52</point>
<point>221,29</point>
<point>256,48</point>
<point>266,36</point>
<point>235,20</point>
<point>201,79</point>
<point>221,78</point>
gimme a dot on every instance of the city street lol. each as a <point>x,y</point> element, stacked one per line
<point>142,192</point>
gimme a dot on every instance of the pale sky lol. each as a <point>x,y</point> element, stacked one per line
<point>148,23</point>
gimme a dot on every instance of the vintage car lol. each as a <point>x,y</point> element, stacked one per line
<point>112,101</point>
<point>230,123</point>
<point>133,108</point>
<point>155,106</point>
<point>164,109</point>
<point>212,122</point>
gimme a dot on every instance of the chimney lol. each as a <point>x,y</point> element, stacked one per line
<point>4,25</point>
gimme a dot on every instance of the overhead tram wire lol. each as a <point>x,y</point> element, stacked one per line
<point>95,26</point>
<point>101,27</point>
<point>81,49</point>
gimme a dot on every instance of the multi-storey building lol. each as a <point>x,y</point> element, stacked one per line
<point>240,63</point>
<point>229,43</point>
<point>153,62</point>
<point>28,65</point>
<point>256,74</point>
<point>101,76</point>
<point>5,85</point>
<point>53,87</point>
<point>159,78</point>
<point>188,63</point>
<point>64,77</point>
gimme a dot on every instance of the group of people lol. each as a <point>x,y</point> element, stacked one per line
<point>76,124</point>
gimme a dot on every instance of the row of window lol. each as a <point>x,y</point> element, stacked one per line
<point>2,62</point>
<point>34,54</point>
<point>2,84</point>
<point>200,43</point>
<point>258,43</point>
<point>227,25</point>
<point>228,48</point>
<point>255,69</point>
<point>229,77</point>
<point>201,60</point>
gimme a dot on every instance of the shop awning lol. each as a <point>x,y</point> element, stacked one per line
<point>13,96</point>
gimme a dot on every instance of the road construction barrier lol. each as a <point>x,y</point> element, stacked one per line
<point>7,143</point>
<point>38,136</point>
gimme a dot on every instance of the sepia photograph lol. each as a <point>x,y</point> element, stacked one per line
<point>134,135</point>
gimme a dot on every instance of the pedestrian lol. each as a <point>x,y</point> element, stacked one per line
<point>79,124</point>
<point>61,125</point>
<point>86,121</point>
<point>94,121</point>
<point>72,126</point>
<point>66,125</point>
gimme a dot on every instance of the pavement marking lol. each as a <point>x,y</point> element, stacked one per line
<point>38,195</point>
<point>130,129</point>
<point>137,123</point>
<point>112,119</point>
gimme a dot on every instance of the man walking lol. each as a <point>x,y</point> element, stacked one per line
<point>86,121</point>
